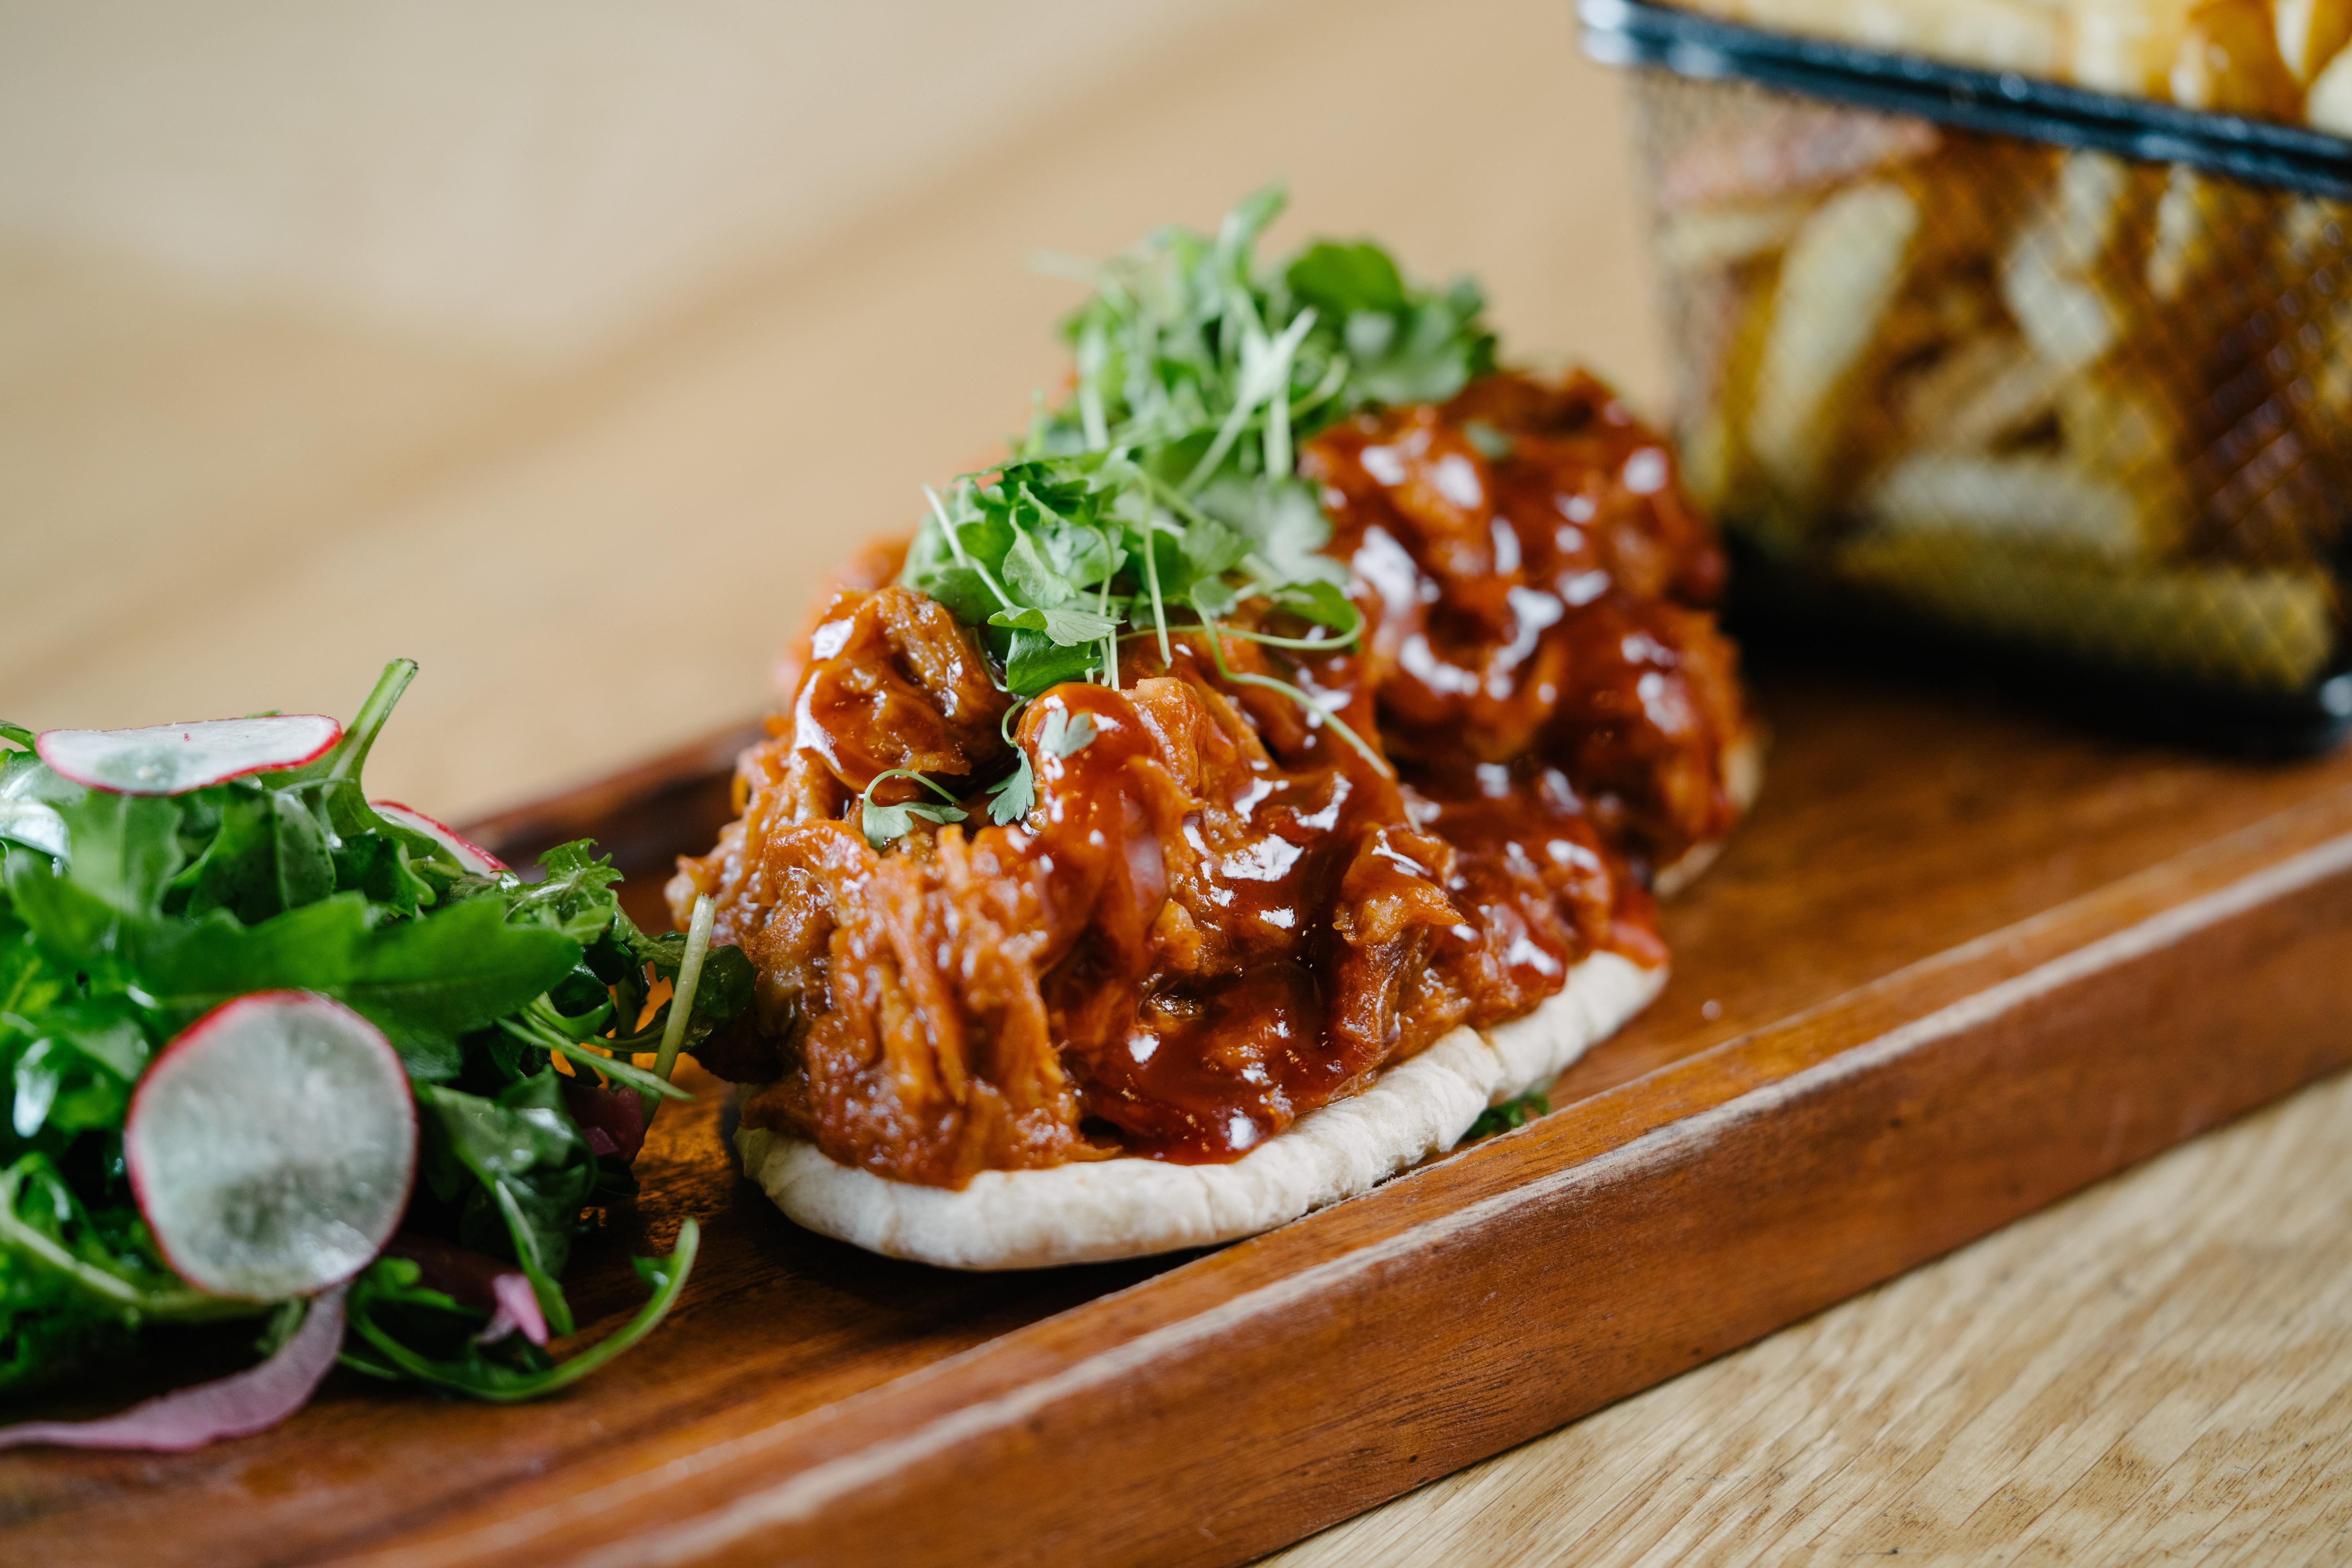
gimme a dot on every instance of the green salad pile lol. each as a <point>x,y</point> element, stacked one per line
<point>514,1002</point>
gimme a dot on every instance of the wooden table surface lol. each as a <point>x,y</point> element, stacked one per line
<point>229,501</point>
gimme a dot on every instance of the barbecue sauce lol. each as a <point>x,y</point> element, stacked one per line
<point>1219,914</point>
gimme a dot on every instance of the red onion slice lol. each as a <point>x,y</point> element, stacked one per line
<point>235,1407</point>
<point>478,1280</point>
<point>611,1116</point>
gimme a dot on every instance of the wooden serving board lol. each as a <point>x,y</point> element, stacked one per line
<point>1959,964</point>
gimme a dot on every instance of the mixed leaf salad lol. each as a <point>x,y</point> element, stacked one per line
<point>272,1051</point>
<point>1161,495</point>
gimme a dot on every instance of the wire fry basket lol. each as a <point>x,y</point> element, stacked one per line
<point>2032,371</point>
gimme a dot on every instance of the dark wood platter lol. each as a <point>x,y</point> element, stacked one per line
<point>1958,964</point>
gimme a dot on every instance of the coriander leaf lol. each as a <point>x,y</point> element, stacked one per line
<point>1016,797</point>
<point>962,589</point>
<point>1321,603</point>
<point>1036,663</point>
<point>1283,525</point>
<point>886,824</point>
<point>1033,576</point>
<point>1064,629</point>
<point>1062,735</point>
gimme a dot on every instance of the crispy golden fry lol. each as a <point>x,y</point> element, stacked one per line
<point>2190,228</point>
<point>2047,503</point>
<point>1993,34</point>
<point>2050,278</point>
<point>2328,106</point>
<point>2126,46</point>
<point>2223,625</point>
<point>1708,237</point>
<point>1840,274</point>
<point>2228,62</point>
<point>2310,33</point>
<point>1981,392</point>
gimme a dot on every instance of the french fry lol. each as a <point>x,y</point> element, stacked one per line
<point>2125,46</point>
<point>2263,630</point>
<point>1992,35</point>
<point>2047,503</point>
<point>2228,62</point>
<point>1984,390</point>
<point>2048,279</point>
<point>1837,279</point>
<point>2310,33</point>
<point>2329,105</point>
<point>2186,231</point>
<point>1709,238</point>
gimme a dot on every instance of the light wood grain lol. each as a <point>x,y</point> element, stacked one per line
<point>2158,1370</point>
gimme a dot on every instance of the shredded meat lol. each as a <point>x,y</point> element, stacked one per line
<point>1220,915</point>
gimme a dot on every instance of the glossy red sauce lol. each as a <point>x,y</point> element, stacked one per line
<point>1220,915</point>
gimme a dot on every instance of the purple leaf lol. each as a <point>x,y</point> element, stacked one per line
<point>251,1401</point>
<point>611,1117</point>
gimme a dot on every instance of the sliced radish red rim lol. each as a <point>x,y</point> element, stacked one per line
<point>237,1405</point>
<point>172,759</point>
<point>272,1146</point>
<point>468,854</point>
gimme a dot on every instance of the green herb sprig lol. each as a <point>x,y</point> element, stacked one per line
<point>1162,496</point>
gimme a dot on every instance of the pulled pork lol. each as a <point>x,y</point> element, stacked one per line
<point>1220,915</point>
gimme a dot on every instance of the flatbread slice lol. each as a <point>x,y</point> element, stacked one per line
<point>1132,1207</point>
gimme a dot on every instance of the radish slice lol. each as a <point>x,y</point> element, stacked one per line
<point>235,1407</point>
<point>172,759</point>
<point>272,1146</point>
<point>469,855</point>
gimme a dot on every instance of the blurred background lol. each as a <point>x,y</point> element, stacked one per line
<point>564,347</point>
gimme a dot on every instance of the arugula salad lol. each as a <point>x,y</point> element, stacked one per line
<point>1161,494</point>
<point>271,1051</point>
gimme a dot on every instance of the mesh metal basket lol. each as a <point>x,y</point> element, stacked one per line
<point>2057,373</point>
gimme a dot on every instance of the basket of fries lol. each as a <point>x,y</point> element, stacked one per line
<point>2023,326</point>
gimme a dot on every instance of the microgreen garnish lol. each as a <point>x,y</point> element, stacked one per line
<point>886,824</point>
<point>1165,484</point>
<point>1063,736</point>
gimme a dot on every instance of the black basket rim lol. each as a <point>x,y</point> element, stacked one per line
<point>1639,33</point>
